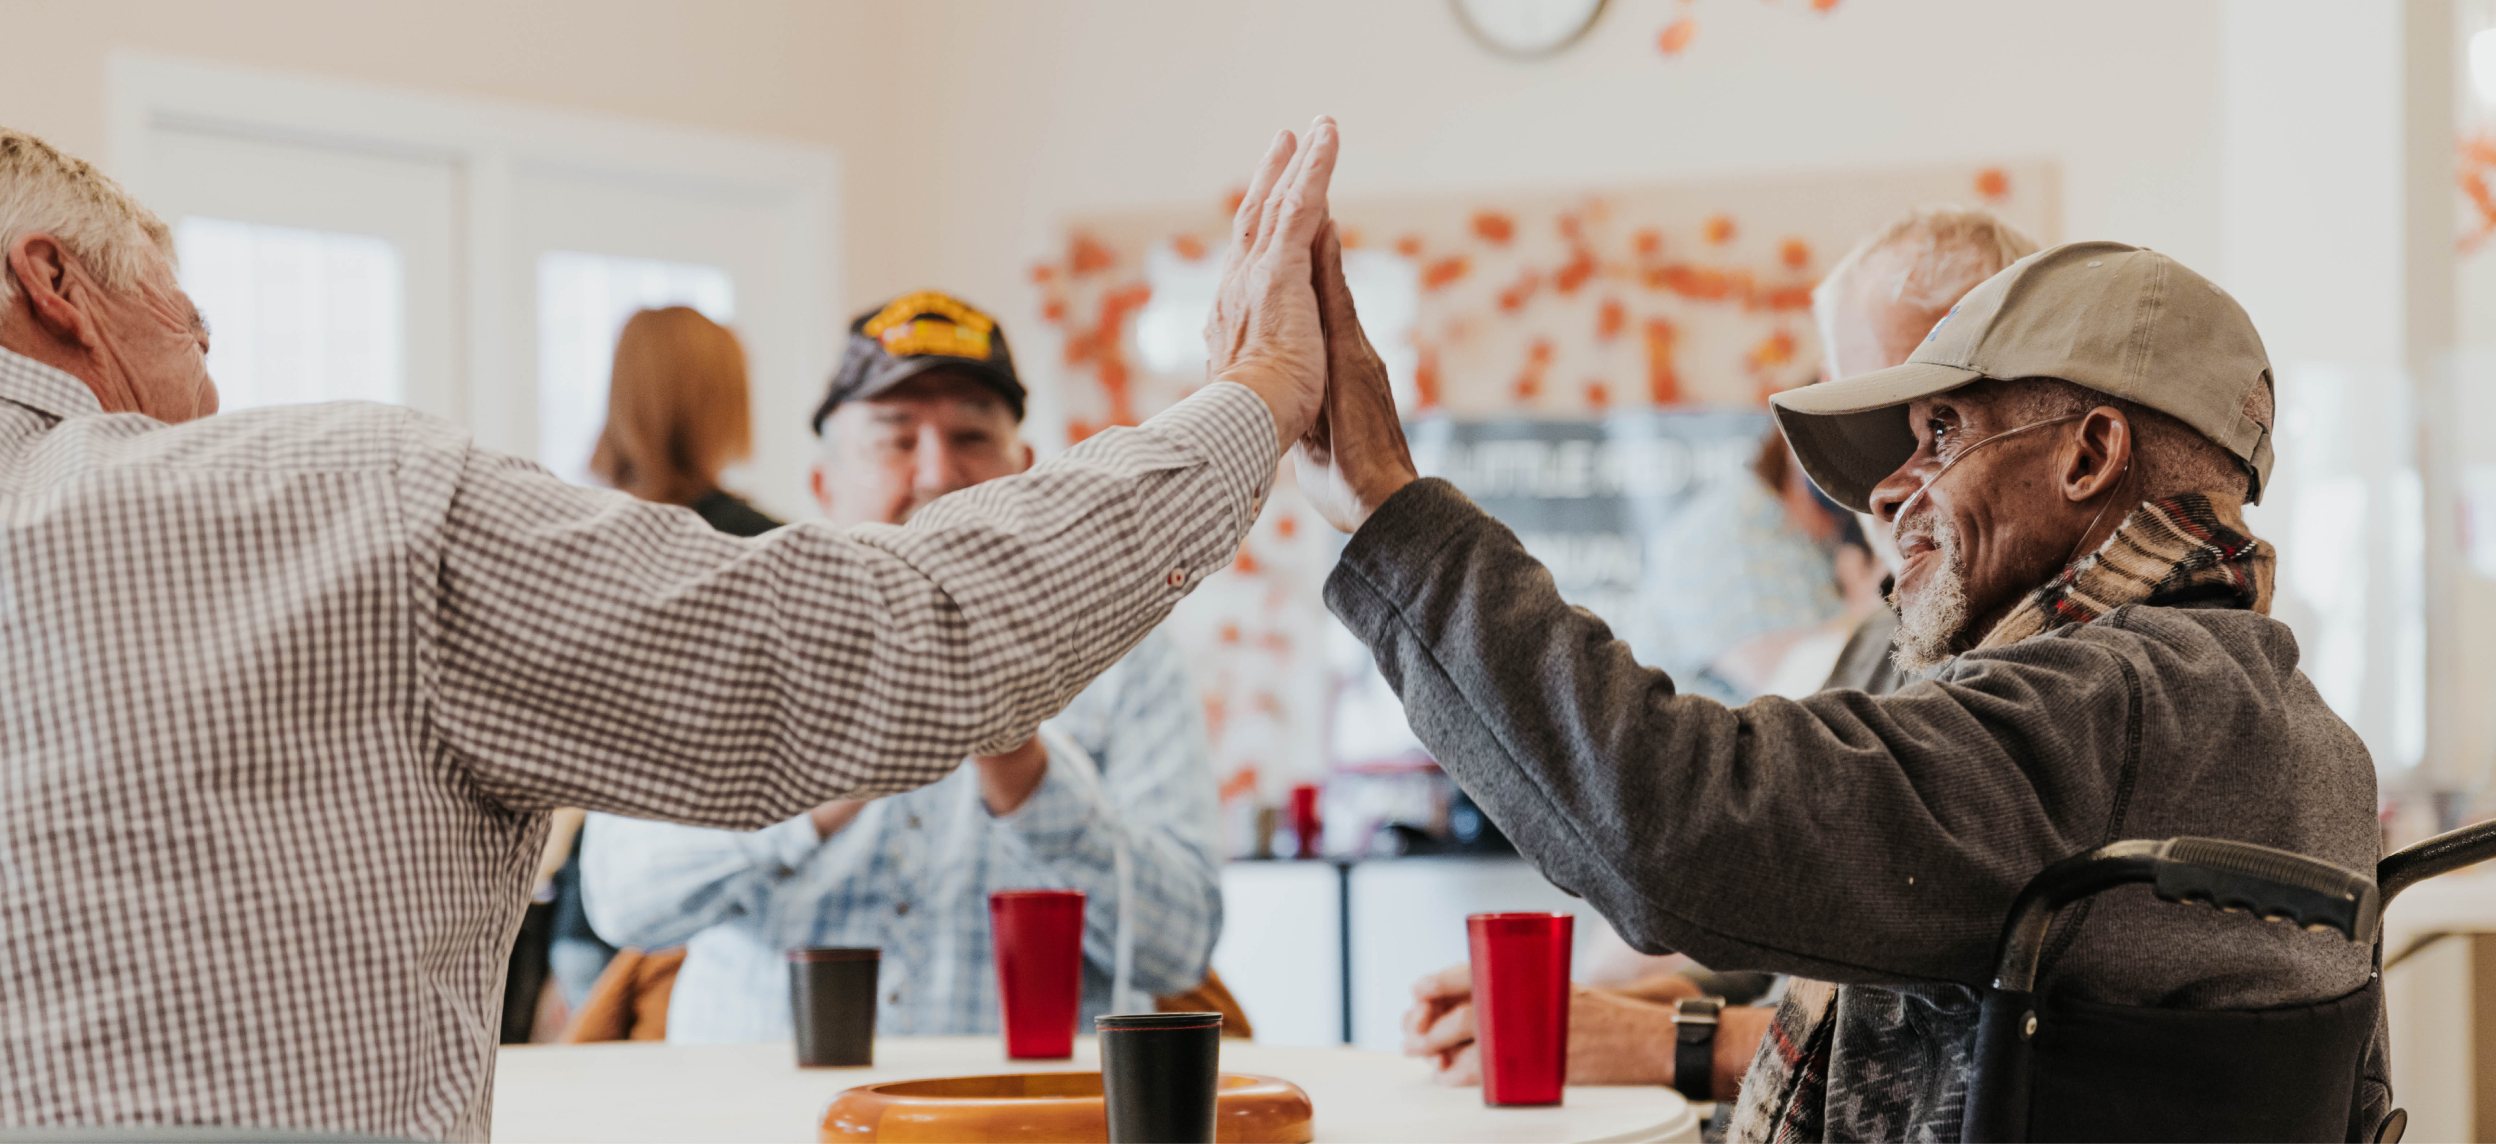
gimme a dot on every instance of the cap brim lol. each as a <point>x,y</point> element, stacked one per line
<point>1852,434</point>
<point>1007,385</point>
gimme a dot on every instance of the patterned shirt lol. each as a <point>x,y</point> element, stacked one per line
<point>911,875</point>
<point>287,694</point>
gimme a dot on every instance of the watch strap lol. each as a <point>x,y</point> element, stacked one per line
<point>1694,1047</point>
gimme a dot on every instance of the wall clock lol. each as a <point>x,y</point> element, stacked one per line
<point>1525,29</point>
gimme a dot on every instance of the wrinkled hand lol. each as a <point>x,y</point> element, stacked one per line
<point>1006,780</point>
<point>1264,332</point>
<point>1440,1025</point>
<point>1613,1038</point>
<point>1354,456</point>
<point>833,817</point>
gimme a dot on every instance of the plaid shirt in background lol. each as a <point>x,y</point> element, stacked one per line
<point>911,875</point>
<point>286,697</point>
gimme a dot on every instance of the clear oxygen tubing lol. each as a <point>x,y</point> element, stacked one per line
<point>1085,775</point>
<point>1908,505</point>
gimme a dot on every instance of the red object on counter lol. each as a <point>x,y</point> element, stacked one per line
<point>1039,939</point>
<point>1521,1004</point>
<point>1304,821</point>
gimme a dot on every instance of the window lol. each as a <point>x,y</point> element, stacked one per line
<point>296,315</point>
<point>583,301</point>
<point>480,210</point>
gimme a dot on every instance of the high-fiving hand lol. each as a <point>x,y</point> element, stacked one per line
<point>1354,457</point>
<point>1283,325</point>
<point>1264,332</point>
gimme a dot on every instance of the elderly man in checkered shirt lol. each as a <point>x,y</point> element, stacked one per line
<point>287,696</point>
<point>927,402</point>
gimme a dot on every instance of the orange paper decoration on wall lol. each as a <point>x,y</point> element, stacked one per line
<point>1677,36</point>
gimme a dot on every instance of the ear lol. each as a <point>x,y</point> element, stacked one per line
<point>2099,456</point>
<point>1028,455</point>
<point>47,274</point>
<point>821,488</point>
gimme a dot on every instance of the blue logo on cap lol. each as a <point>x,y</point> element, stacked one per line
<point>1945,320</point>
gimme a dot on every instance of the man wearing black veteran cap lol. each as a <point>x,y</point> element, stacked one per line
<point>2063,462</point>
<point>926,403</point>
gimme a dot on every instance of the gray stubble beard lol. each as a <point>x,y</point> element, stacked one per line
<point>1928,627</point>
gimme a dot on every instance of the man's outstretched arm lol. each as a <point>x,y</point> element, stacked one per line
<point>1843,837</point>
<point>584,649</point>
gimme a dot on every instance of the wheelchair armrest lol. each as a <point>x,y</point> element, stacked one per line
<point>2237,877</point>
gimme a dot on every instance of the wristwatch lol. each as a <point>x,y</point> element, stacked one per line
<point>1694,1047</point>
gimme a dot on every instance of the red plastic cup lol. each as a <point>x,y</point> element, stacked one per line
<point>1039,936</point>
<point>1521,1004</point>
<point>1304,821</point>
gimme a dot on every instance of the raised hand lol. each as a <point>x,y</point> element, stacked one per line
<point>1354,456</point>
<point>1264,332</point>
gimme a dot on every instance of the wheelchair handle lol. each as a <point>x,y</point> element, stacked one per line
<point>2434,857</point>
<point>2235,877</point>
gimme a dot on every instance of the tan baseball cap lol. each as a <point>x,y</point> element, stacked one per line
<point>2124,321</point>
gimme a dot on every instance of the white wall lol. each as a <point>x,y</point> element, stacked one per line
<point>1058,108</point>
<point>968,130</point>
<point>812,71</point>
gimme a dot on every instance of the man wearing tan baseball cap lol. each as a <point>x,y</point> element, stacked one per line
<point>2085,326</point>
<point>2063,462</point>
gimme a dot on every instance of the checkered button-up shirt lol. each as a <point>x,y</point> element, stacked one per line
<point>286,696</point>
<point>912,874</point>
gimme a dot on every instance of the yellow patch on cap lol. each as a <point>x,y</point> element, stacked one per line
<point>930,322</point>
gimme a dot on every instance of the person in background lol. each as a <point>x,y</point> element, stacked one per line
<point>1873,308</point>
<point>1728,618</point>
<point>1792,660</point>
<point>925,403</point>
<point>679,411</point>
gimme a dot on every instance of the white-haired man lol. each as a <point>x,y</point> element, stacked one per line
<point>287,696</point>
<point>2063,460</point>
<point>1873,307</point>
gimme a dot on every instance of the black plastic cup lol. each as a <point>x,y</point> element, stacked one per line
<point>832,997</point>
<point>1158,1072</point>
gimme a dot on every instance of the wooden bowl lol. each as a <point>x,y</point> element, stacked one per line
<point>1067,1106</point>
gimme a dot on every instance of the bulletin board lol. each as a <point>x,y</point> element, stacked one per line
<point>1539,305</point>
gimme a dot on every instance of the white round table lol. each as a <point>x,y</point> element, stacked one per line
<point>653,1092</point>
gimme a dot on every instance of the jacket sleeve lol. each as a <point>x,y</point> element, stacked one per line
<point>581,648</point>
<point>1844,837</point>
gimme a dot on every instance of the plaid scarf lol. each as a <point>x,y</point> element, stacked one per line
<point>1902,1074</point>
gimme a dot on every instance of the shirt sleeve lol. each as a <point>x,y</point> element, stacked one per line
<point>653,885</point>
<point>1159,792</point>
<point>1843,837</point>
<point>587,649</point>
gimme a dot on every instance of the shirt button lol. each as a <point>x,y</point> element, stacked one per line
<point>903,909</point>
<point>1177,577</point>
<point>914,822</point>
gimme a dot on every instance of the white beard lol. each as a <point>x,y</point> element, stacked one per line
<point>1928,626</point>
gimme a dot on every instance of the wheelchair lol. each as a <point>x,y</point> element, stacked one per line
<point>2050,1068</point>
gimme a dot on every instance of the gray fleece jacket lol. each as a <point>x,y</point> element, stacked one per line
<point>1862,839</point>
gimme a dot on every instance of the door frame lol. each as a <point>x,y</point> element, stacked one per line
<point>488,142</point>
